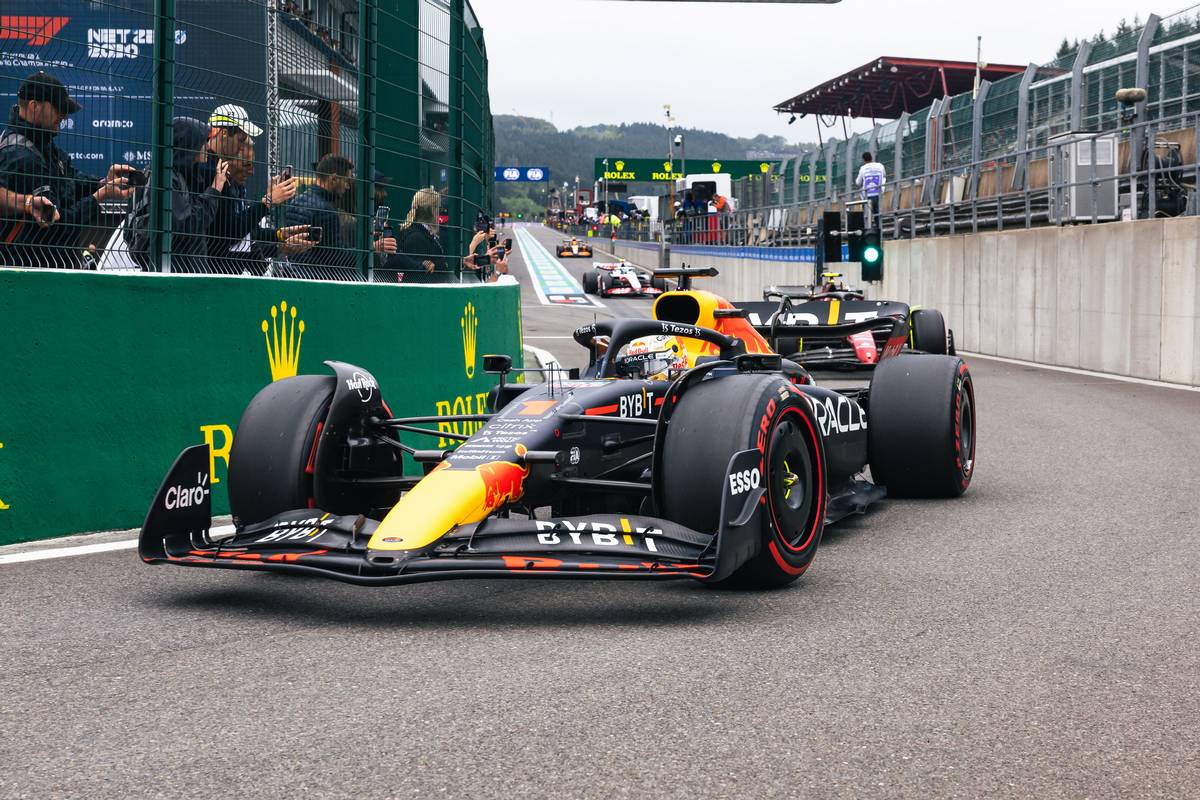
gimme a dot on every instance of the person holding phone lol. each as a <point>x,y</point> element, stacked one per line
<point>420,256</point>
<point>241,237</point>
<point>318,207</point>
<point>45,202</point>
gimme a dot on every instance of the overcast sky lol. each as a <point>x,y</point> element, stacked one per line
<point>722,66</point>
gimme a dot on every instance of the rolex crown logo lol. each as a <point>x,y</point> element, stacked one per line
<point>716,166</point>
<point>620,166</point>
<point>283,340</point>
<point>470,325</point>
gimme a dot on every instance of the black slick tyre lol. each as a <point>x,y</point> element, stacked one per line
<point>928,331</point>
<point>589,282</point>
<point>273,446</point>
<point>718,418</point>
<point>603,284</point>
<point>658,283</point>
<point>921,434</point>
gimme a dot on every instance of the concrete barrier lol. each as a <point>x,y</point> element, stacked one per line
<point>1122,298</point>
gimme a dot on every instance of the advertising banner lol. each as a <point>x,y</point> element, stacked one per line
<point>103,53</point>
<point>634,170</point>
<point>108,377</point>
<point>522,174</point>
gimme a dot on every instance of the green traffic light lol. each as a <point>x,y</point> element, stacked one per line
<point>870,254</point>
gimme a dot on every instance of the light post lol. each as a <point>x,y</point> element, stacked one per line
<point>681,143</point>
<point>663,257</point>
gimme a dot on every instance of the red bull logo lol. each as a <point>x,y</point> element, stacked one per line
<point>503,482</point>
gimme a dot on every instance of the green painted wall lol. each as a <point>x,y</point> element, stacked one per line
<point>107,378</point>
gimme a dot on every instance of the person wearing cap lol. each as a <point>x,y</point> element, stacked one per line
<point>231,135</point>
<point>44,201</point>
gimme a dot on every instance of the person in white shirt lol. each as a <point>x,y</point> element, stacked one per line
<point>871,178</point>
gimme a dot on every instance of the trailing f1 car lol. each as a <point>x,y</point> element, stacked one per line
<point>573,248</point>
<point>829,326</point>
<point>683,451</point>
<point>620,278</point>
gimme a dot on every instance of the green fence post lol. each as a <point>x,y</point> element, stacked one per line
<point>457,240</point>
<point>368,60</point>
<point>162,108</point>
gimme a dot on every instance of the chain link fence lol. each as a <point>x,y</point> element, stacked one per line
<point>324,139</point>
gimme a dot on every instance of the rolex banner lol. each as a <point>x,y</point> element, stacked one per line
<point>108,377</point>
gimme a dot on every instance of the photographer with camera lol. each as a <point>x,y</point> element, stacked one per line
<point>44,201</point>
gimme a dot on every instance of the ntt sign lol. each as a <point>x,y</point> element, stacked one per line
<point>523,174</point>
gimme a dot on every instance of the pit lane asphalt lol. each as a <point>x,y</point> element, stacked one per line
<point>1035,638</point>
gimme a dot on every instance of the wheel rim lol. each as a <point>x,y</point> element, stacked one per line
<point>966,433</point>
<point>790,481</point>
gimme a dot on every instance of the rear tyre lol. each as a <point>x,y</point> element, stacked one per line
<point>658,283</point>
<point>921,436</point>
<point>721,417</point>
<point>275,438</point>
<point>928,331</point>
<point>589,282</point>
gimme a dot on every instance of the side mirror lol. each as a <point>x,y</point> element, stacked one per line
<point>497,364</point>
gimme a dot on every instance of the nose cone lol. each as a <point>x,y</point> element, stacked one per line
<point>445,499</point>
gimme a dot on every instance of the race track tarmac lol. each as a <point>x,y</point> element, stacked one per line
<point>1035,638</point>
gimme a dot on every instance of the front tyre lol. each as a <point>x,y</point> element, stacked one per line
<point>921,434</point>
<point>275,441</point>
<point>720,417</point>
<point>929,331</point>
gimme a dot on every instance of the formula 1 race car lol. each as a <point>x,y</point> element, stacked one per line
<point>621,278</point>
<point>683,451</point>
<point>573,248</point>
<point>829,326</point>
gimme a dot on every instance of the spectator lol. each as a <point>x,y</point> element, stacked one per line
<point>242,236</point>
<point>871,178</point>
<point>44,201</point>
<point>193,204</point>
<point>318,208</point>
<point>239,223</point>
<point>418,247</point>
<point>385,237</point>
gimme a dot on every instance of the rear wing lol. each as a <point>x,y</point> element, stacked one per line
<point>685,274</point>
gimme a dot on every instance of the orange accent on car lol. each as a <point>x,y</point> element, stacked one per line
<point>533,408</point>
<point>531,562</point>
<point>600,411</point>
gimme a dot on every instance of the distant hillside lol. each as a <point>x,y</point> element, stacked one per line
<point>527,141</point>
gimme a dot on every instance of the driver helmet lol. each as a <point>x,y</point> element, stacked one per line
<point>655,358</point>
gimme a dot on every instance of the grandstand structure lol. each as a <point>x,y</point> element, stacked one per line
<point>985,159</point>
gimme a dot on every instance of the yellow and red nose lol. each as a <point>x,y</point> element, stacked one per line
<point>445,499</point>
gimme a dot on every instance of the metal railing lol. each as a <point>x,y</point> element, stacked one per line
<point>1082,179</point>
<point>264,137</point>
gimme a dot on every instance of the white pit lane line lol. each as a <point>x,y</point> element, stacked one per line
<point>23,555</point>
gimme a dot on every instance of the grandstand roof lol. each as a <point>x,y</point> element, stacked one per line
<point>888,86</point>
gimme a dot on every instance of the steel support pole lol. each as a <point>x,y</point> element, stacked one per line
<point>1077,93</point>
<point>367,60</point>
<point>273,115</point>
<point>162,109</point>
<point>977,138</point>
<point>812,175</point>
<point>1022,161</point>
<point>830,152</point>
<point>898,159</point>
<point>1141,79</point>
<point>932,150</point>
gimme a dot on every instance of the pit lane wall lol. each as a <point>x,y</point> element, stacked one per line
<point>1120,297</point>
<point>108,377</point>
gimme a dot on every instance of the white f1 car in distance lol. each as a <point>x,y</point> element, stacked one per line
<point>620,278</point>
